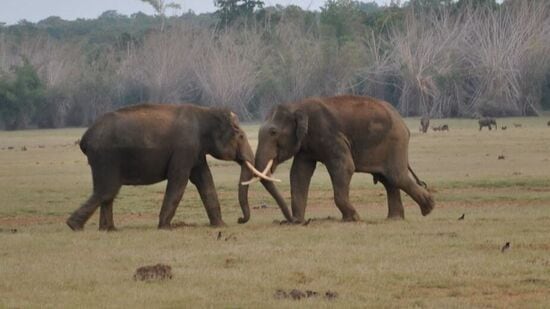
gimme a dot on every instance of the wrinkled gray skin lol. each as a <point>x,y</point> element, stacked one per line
<point>487,122</point>
<point>146,144</point>
<point>347,134</point>
<point>424,123</point>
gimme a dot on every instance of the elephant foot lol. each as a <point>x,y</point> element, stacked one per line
<point>428,206</point>
<point>74,225</point>
<point>165,226</point>
<point>396,217</point>
<point>218,223</point>
<point>351,218</point>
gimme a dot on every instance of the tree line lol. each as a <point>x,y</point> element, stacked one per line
<point>466,58</point>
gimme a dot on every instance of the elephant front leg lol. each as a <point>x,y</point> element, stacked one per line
<point>300,178</point>
<point>201,177</point>
<point>172,197</point>
<point>340,174</point>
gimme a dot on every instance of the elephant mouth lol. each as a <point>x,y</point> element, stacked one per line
<point>265,174</point>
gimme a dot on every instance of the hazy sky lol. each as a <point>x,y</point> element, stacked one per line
<point>12,11</point>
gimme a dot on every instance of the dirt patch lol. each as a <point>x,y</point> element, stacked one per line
<point>153,273</point>
<point>181,224</point>
<point>296,294</point>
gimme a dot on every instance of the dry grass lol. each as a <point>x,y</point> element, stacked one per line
<point>429,262</point>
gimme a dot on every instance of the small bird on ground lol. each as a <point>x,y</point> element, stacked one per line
<point>219,235</point>
<point>461,217</point>
<point>505,247</point>
<point>307,222</point>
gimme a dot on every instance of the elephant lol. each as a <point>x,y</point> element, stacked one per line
<point>424,123</point>
<point>487,122</point>
<point>347,134</point>
<point>148,143</point>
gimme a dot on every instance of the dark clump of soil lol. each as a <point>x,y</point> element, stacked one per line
<point>181,224</point>
<point>296,294</point>
<point>153,273</point>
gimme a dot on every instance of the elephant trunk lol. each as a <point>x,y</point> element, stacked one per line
<point>261,162</point>
<point>243,194</point>
<point>270,187</point>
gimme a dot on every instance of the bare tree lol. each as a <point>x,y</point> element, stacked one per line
<point>160,7</point>
<point>227,68</point>
<point>163,66</point>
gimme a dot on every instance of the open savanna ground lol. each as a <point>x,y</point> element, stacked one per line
<point>433,262</point>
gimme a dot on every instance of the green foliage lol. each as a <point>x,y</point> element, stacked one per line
<point>20,96</point>
<point>231,11</point>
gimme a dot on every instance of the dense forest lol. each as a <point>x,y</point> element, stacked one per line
<point>445,58</point>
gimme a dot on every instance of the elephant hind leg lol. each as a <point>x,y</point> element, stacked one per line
<point>418,193</point>
<point>79,217</point>
<point>106,222</point>
<point>395,205</point>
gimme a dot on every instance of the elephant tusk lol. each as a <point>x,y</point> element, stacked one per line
<point>255,178</point>
<point>260,174</point>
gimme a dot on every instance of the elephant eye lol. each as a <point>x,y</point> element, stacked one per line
<point>272,131</point>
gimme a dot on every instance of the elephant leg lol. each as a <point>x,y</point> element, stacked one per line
<point>341,174</point>
<point>201,177</point>
<point>79,217</point>
<point>395,206</point>
<point>300,178</point>
<point>174,192</point>
<point>106,222</point>
<point>105,190</point>
<point>418,193</point>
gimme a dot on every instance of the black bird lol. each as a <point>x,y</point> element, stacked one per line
<point>307,222</point>
<point>505,247</point>
<point>219,235</point>
<point>461,217</point>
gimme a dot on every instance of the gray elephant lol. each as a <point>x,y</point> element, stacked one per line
<point>146,144</point>
<point>347,134</point>
<point>487,122</point>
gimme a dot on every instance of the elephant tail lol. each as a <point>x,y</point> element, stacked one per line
<point>418,181</point>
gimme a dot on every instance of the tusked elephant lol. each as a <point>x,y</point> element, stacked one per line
<point>347,134</point>
<point>146,144</point>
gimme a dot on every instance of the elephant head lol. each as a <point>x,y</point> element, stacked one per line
<point>230,143</point>
<point>279,139</point>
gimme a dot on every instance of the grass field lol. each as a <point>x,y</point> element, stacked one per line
<point>426,262</point>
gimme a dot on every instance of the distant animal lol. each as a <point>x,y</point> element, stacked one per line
<point>517,125</point>
<point>146,144</point>
<point>461,217</point>
<point>501,157</point>
<point>505,247</point>
<point>504,127</point>
<point>487,122</point>
<point>347,134</point>
<point>424,123</point>
<point>441,128</point>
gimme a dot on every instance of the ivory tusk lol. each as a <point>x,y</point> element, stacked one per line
<point>255,178</point>
<point>259,174</point>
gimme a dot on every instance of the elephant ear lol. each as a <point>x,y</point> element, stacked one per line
<point>301,125</point>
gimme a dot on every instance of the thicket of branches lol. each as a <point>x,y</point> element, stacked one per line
<point>445,60</point>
